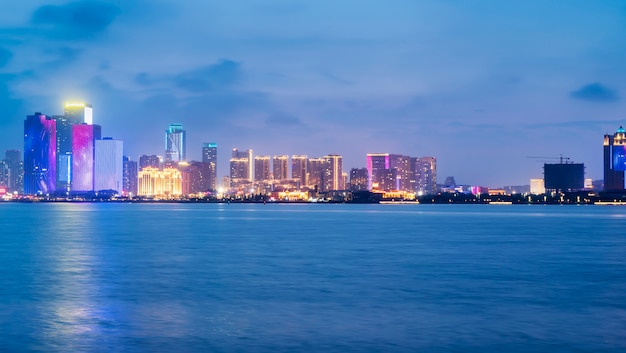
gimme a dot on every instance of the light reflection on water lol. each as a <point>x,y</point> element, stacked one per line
<point>333,278</point>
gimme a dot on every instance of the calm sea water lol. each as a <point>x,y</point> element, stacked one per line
<point>311,278</point>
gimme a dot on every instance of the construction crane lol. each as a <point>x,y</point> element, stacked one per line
<point>561,159</point>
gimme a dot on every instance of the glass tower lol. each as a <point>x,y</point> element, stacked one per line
<point>39,154</point>
<point>175,143</point>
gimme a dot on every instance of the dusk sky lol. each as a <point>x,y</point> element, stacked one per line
<point>478,84</point>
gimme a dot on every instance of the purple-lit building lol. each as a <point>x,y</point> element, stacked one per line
<point>39,154</point>
<point>84,137</point>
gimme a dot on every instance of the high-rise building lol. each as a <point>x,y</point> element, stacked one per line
<point>280,166</point>
<point>130,177</point>
<point>84,138</point>
<point>75,113</point>
<point>262,168</point>
<point>402,165</point>
<point>333,173</point>
<point>4,176</point>
<point>155,182</point>
<point>39,154</point>
<point>13,158</point>
<point>358,179</point>
<point>209,167</point>
<point>153,161</point>
<point>241,167</point>
<point>425,175</point>
<point>377,165</point>
<point>109,165</point>
<point>175,143</point>
<point>316,175</point>
<point>299,170</point>
<point>614,160</point>
<point>79,113</point>
<point>191,177</point>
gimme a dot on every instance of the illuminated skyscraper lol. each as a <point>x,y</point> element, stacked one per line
<point>299,169</point>
<point>39,154</point>
<point>209,168</point>
<point>377,165</point>
<point>75,113</point>
<point>109,165</point>
<point>425,174</point>
<point>262,168</point>
<point>83,155</point>
<point>153,161</point>
<point>15,164</point>
<point>316,176</point>
<point>130,177</point>
<point>334,173</point>
<point>358,179</point>
<point>241,167</point>
<point>79,113</point>
<point>175,143</point>
<point>280,165</point>
<point>614,160</point>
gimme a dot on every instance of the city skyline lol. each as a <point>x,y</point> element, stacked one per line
<point>479,86</point>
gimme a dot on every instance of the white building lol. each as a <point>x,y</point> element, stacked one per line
<point>109,165</point>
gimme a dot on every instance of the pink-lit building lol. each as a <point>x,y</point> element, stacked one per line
<point>84,137</point>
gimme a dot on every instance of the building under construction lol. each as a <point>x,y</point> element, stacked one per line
<point>564,176</point>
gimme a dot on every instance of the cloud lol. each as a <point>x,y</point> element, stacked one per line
<point>209,78</point>
<point>280,120</point>
<point>5,56</point>
<point>595,92</point>
<point>224,73</point>
<point>81,19</point>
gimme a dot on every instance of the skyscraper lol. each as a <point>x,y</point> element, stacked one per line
<point>299,169</point>
<point>316,177</point>
<point>262,168</point>
<point>358,179</point>
<point>149,161</point>
<point>333,173</point>
<point>39,154</point>
<point>424,171</point>
<point>614,160</point>
<point>75,113</point>
<point>209,168</point>
<point>84,138</point>
<point>175,143</point>
<point>15,164</point>
<point>241,167</point>
<point>280,165</point>
<point>377,164</point>
<point>109,165</point>
<point>130,177</point>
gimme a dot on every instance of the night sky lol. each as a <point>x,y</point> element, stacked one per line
<point>478,84</point>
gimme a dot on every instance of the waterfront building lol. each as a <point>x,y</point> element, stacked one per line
<point>241,167</point>
<point>13,159</point>
<point>155,182</point>
<point>192,177</point>
<point>316,173</point>
<point>262,168</point>
<point>280,165</point>
<point>299,170</point>
<point>424,171</point>
<point>564,177</point>
<point>209,167</point>
<point>39,154</point>
<point>79,113</point>
<point>377,164</point>
<point>175,143</point>
<point>84,138</point>
<point>615,160</point>
<point>109,165</point>
<point>4,175</point>
<point>153,161</point>
<point>130,177</point>
<point>358,179</point>
<point>333,173</point>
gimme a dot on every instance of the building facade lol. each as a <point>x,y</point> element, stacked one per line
<point>280,165</point>
<point>262,169</point>
<point>175,143</point>
<point>155,182</point>
<point>614,160</point>
<point>299,171</point>
<point>84,138</point>
<point>109,165</point>
<point>130,177</point>
<point>39,154</point>
<point>359,179</point>
<point>209,166</point>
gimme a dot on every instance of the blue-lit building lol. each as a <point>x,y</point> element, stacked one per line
<point>39,154</point>
<point>175,143</point>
